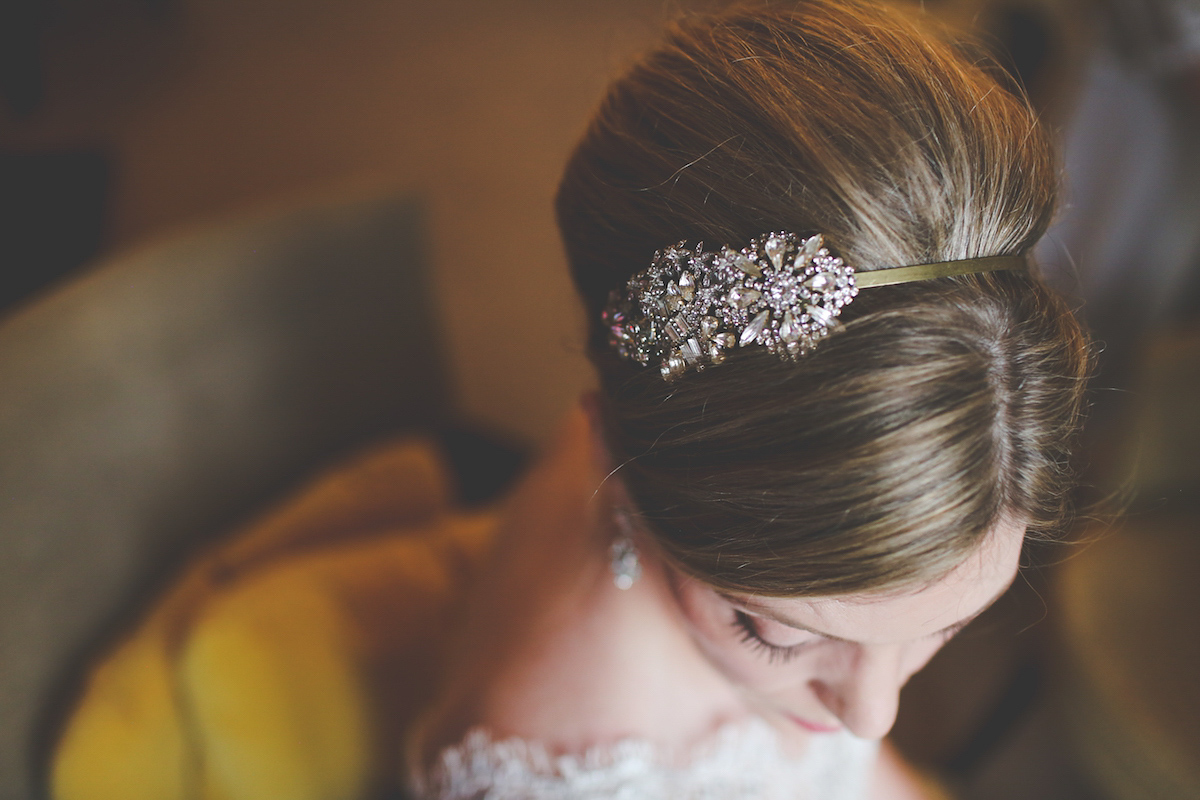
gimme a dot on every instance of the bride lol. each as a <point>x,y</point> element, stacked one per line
<point>834,401</point>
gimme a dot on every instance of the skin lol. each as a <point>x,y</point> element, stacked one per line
<point>825,663</point>
<point>552,651</point>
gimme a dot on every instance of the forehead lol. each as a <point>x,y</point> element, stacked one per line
<point>905,615</point>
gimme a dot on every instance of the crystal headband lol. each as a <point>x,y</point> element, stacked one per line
<point>690,307</point>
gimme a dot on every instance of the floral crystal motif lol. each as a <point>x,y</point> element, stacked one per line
<point>690,307</point>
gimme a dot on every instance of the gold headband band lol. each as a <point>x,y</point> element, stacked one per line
<point>890,276</point>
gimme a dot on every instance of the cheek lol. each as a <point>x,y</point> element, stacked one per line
<point>755,672</point>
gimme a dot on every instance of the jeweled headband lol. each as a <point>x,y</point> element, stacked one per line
<point>690,307</point>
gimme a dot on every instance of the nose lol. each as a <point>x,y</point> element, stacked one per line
<point>865,692</point>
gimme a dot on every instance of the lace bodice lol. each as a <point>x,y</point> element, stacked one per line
<point>741,760</point>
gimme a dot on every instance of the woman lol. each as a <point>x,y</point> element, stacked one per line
<point>786,495</point>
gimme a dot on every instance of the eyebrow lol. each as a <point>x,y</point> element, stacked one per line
<point>751,605</point>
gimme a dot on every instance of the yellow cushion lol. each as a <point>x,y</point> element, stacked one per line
<point>279,671</point>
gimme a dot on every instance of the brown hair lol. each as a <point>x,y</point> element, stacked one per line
<point>882,458</point>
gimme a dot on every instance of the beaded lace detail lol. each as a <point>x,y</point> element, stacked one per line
<point>740,760</point>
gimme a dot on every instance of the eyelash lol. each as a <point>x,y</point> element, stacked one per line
<point>747,630</point>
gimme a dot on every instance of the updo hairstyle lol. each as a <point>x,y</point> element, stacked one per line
<point>881,459</point>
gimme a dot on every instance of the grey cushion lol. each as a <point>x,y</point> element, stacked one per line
<point>165,394</point>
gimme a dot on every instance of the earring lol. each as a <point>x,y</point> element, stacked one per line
<point>626,568</point>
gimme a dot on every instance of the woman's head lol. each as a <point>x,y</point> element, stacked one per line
<point>944,407</point>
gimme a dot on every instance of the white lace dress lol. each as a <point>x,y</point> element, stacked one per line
<point>741,761</point>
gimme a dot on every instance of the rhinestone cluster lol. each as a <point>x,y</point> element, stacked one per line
<point>690,307</point>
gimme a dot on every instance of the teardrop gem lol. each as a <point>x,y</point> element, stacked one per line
<point>742,297</point>
<point>746,265</point>
<point>687,286</point>
<point>789,329</point>
<point>818,282</point>
<point>820,314</point>
<point>812,245</point>
<point>674,366</point>
<point>775,248</point>
<point>755,327</point>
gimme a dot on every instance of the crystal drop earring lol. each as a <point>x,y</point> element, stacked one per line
<point>626,568</point>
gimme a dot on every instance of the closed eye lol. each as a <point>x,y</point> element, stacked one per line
<point>748,632</point>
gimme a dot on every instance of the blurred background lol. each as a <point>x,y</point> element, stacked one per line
<point>239,240</point>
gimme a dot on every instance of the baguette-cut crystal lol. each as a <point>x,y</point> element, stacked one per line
<point>678,328</point>
<point>708,326</point>
<point>751,331</point>
<point>691,351</point>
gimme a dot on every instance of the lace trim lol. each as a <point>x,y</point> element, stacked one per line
<point>741,760</point>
